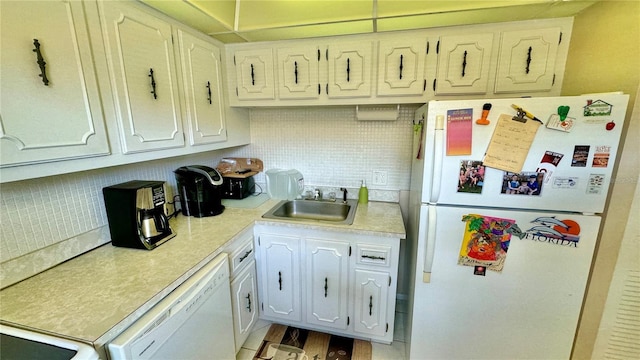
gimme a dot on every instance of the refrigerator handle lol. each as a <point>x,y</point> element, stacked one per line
<point>430,245</point>
<point>438,150</point>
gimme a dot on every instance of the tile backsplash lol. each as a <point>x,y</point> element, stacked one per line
<point>328,145</point>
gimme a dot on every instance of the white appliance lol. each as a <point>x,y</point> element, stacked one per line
<point>507,282</point>
<point>192,322</point>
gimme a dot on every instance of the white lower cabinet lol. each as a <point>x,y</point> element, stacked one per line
<point>244,289</point>
<point>335,282</point>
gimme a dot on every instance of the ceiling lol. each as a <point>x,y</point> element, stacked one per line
<point>233,21</point>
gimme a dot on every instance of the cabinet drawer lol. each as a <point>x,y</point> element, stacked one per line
<point>375,255</point>
<point>241,257</point>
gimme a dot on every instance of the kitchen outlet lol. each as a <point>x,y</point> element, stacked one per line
<point>379,177</point>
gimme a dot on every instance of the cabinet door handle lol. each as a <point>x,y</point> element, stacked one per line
<point>41,63</point>
<point>464,63</point>
<point>280,279</point>
<point>248,301</point>
<point>326,286</point>
<point>153,84</point>
<point>246,254</point>
<point>253,79</point>
<point>401,58</point>
<point>372,257</point>
<point>348,68</point>
<point>209,92</point>
<point>528,59</point>
<point>370,305</point>
<point>295,71</point>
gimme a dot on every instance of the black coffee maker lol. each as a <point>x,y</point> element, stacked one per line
<point>200,190</point>
<point>136,214</point>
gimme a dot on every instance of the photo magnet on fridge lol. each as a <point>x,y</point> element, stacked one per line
<point>471,176</point>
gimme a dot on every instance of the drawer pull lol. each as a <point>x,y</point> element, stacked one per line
<point>41,63</point>
<point>246,254</point>
<point>373,257</point>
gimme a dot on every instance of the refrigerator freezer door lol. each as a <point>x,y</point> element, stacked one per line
<point>574,168</point>
<point>529,310</point>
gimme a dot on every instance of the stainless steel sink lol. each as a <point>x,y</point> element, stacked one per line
<point>336,212</point>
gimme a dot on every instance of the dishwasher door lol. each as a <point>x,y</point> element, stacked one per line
<point>193,322</point>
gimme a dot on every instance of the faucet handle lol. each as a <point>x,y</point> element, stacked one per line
<point>344,194</point>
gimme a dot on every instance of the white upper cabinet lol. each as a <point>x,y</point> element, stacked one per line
<point>50,106</point>
<point>527,60</point>
<point>143,77</point>
<point>202,83</point>
<point>463,64</point>
<point>254,74</point>
<point>401,66</point>
<point>350,65</point>
<point>298,72</point>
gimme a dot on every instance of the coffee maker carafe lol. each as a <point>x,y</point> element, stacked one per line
<point>136,214</point>
<point>200,190</point>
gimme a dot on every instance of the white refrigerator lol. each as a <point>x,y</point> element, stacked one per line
<point>507,197</point>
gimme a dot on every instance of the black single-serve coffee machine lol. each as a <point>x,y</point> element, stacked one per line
<point>200,190</point>
<point>136,214</point>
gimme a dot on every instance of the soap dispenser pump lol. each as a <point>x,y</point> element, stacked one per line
<point>363,195</point>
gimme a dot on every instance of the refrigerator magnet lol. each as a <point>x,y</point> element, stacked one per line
<point>601,156</point>
<point>548,164</point>
<point>471,177</point>
<point>459,132</point>
<point>552,230</point>
<point>485,241</point>
<point>596,184</point>
<point>597,108</point>
<point>560,121</point>
<point>580,156</point>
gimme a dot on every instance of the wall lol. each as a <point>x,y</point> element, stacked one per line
<point>44,220</point>
<point>604,55</point>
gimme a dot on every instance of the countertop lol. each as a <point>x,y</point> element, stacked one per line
<point>95,296</point>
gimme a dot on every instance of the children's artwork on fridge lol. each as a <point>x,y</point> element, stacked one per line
<point>471,177</point>
<point>485,241</point>
<point>526,183</point>
<point>459,132</point>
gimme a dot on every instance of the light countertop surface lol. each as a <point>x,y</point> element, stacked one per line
<point>94,297</point>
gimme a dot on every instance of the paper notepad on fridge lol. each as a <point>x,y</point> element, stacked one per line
<point>510,144</point>
<point>459,132</point>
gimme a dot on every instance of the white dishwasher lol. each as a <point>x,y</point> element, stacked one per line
<point>192,322</point>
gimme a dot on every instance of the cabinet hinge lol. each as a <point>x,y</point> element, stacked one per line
<point>234,60</point>
<point>318,54</point>
<point>327,88</point>
<point>326,54</point>
<point>389,280</point>
<point>427,47</point>
<point>387,329</point>
<point>553,81</point>
<point>349,250</point>
<point>560,39</point>
<point>438,47</point>
<point>424,86</point>
<point>258,240</point>
<point>262,306</point>
<point>434,84</point>
<point>319,89</point>
<point>348,321</point>
<point>236,91</point>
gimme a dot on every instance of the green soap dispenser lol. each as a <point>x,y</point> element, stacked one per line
<point>363,195</point>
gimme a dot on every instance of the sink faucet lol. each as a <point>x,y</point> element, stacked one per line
<point>317,195</point>
<point>344,194</point>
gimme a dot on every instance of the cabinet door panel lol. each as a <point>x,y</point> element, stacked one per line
<point>280,272</point>
<point>202,79</point>
<point>298,73</point>
<point>245,303</point>
<point>254,74</point>
<point>327,282</point>
<point>142,68</point>
<point>463,64</point>
<point>401,67</point>
<point>371,294</point>
<point>62,119</point>
<point>350,67</point>
<point>527,60</point>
